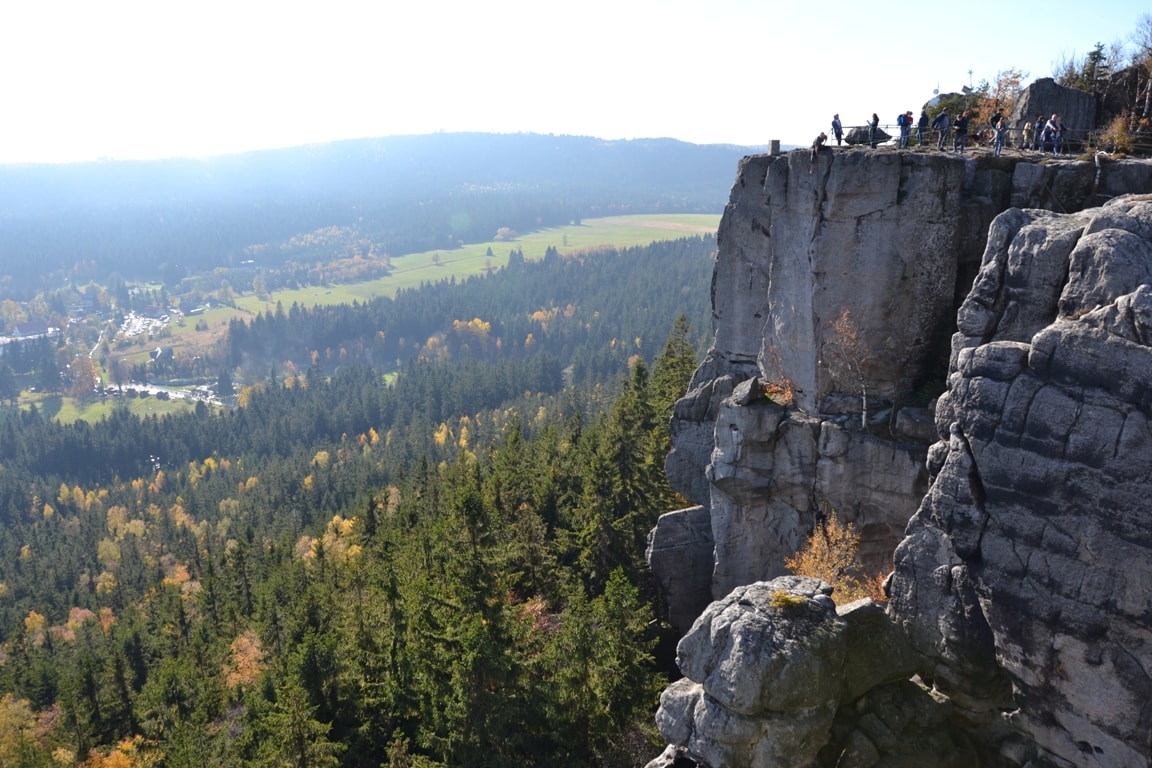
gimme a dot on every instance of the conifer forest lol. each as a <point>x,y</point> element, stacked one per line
<point>407,531</point>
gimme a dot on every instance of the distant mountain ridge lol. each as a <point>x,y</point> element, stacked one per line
<point>434,162</point>
<point>404,193</point>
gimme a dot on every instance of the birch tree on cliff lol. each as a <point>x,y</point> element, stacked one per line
<point>847,356</point>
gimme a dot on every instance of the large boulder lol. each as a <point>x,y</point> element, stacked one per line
<point>860,135</point>
<point>1077,109</point>
<point>680,555</point>
<point>766,671</point>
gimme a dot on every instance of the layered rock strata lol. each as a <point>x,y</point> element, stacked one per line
<point>1025,579</point>
<point>894,238</point>
<point>1023,582</point>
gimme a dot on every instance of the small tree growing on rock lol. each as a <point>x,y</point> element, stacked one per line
<point>830,554</point>
<point>777,386</point>
<point>847,357</point>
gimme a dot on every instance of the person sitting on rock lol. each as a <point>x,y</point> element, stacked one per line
<point>817,145</point>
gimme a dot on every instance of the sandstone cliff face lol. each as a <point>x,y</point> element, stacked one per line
<point>885,235</point>
<point>1022,583</point>
<point>1026,578</point>
<point>875,233</point>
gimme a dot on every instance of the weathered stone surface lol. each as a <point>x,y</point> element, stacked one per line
<point>766,669</point>
<point>899,725</point>
<point>916,424</point>
<point>680,555</point>
<point>745,650</point>
<point>771,467</point>
<point>1026,576</point>
<point>860,135</point>
<point>673,757</point>
<point>1022,582</point>
<point>837,239</point>
<point>795,249</point>
<point>692,429</point>
<point>1123,177</point>
<point>876,651</point>
<point>1077,109</point>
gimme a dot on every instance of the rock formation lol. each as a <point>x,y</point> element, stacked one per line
<point>767,670</point>
<point>878,233</point>
<point>1032,506</point>
<point>1077,109</point>
<point>1025,579</point>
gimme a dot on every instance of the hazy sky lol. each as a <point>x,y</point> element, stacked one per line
<point>84,79</point>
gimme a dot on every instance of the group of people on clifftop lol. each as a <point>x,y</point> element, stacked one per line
<point>952,132</point>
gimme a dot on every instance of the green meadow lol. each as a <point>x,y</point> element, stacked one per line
<point>67,409</point>
<point>430,266</point>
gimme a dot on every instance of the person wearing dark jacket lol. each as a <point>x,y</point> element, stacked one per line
<point>873,124</point>
<point>921,126</point>
<point>943,124</point>
<point>961,127</point>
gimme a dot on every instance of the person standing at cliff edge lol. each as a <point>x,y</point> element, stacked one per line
<point>1055,128</point>
<point>961,138</point>
<point>942,123</point>
<point>837,129</point>
<point>1040,137</point>
<point>904,121</point>
<point>1000,130</point>
<point>921,126</point>
<point>873,124</point>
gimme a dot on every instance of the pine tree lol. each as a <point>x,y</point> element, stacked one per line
<point>673,370</point>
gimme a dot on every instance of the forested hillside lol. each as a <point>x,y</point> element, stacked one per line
<point>439,568</point>
<point>590,310</point>
<point>171,219</point>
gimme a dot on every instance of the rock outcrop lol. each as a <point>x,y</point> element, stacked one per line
<point>878,233</point>
<point>776,676</point>
<point>680,550</point>
<point>895,238</point>
<point>1025,579</point>
<point>1022,580</point>
<point>1077,109</point>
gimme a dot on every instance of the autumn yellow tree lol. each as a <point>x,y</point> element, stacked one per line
<point>830,554</point>
<point>1000,95</point>
<point>84,377</point>
<point>17,731</point>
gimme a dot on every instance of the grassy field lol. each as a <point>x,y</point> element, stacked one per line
<point>416,268</point>
<point>407,272</point>
<point>67,409</point>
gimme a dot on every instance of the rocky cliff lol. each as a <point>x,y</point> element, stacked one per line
<point>895,239</point>
<point>1016,504</point>
<point>1025,578</point>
